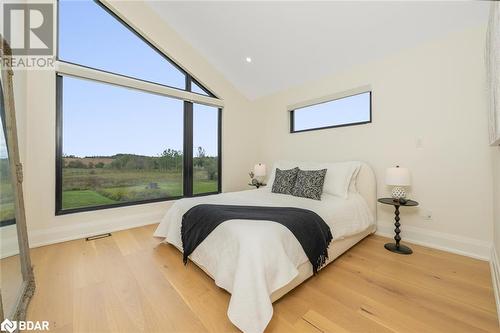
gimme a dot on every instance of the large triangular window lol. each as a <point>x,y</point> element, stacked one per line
<point>92,36</point>
<point>133,127</point>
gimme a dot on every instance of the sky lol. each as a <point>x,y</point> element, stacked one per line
<point>3,142</point>
<point>101,119</point>
<point>352,109</point>
<point>3,145</point>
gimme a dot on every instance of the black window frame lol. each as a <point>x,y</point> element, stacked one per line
<point>145,40</point>
<point>187,135</point>
<point>292,115</point>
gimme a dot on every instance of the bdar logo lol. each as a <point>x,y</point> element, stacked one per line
<point>8,326</point>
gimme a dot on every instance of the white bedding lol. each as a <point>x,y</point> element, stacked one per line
<point>251,259</point>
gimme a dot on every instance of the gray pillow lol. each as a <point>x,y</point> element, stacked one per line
<point>309,184</point>
<point>284,181</point>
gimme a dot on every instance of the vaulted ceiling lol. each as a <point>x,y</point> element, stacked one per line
<point>291,43</point>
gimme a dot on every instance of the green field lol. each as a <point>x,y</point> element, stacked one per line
<point>97,187</point>
<point>7,211</point>
<point>86,185</point>
<point>6,193</point>
<point>83,187</point>
<point>85,198</point>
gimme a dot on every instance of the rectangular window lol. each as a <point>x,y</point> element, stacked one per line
<point>345,111</point>
<point>118,145</point>
<point>205,149</point>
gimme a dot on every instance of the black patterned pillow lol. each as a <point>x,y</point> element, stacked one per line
<point>309,184</point>
<point>284,181</point>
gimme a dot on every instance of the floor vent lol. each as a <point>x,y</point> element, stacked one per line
<point>91,238</point>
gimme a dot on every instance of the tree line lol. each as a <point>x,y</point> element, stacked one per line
<point>169,160</point>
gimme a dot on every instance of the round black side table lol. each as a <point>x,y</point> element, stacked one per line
<point>396,247</point>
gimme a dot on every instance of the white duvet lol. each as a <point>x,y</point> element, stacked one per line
<point>252,259</point>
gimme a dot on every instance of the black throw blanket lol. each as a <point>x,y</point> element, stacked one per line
<point>308,227</point>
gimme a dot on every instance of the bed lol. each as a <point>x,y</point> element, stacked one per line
<point>258,263</point>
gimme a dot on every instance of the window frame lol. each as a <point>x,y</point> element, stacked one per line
<point>141,37</point>
<point>202,87</point>
<point>69,69</point>
<point>292,113</point>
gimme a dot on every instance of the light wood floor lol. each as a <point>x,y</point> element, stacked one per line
<point>131,283</point>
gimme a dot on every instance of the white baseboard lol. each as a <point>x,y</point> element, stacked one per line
<point>469,247</point>
<point>495,278</point>
<point>70,232</point>
<point>447,242</point>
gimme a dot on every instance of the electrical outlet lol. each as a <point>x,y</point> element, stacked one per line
<point>427,215</point>
<point>419,144</point>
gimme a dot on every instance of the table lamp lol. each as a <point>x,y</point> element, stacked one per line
<point>398,177</point>
<point>259,171</point>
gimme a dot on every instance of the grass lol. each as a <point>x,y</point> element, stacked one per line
<point>85,188</point>
<point>205,186</point>
<point>7,211</point>
<point>85,198</point>
<point>6,200</point>
<point>97,187</point>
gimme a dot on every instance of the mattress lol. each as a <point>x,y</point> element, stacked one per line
<point>237,253</point>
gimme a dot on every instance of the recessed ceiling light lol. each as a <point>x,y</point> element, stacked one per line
<point>248,59</point>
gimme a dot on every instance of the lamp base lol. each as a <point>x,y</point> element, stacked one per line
<point>398,192</point>
<point>398,248</point>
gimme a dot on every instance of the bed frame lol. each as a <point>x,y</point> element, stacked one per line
<point>336,249</point>
<point>367,186</point>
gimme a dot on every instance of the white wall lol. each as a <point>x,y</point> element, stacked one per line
<point>495,251</point>
<point>495,153</point>
<point>434,93</point>
<point>238,154</point>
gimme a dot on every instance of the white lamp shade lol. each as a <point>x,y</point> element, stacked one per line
<point>397,176</point>
<point>259,170</point>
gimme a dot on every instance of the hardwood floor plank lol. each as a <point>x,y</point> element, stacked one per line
<point>337,312</point>
<point>468,270</point>
<point>129,282</point>
<point>196,288</point>
<point>165,301</point>
<point>445,257</point>
<point>53,268</point>
<point>355,275</point>
<point>127,243</point>
<point>321,323</point>
<point>305,327</point>
<point>476,295</point>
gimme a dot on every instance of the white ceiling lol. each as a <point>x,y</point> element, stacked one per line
<point>291,43</point>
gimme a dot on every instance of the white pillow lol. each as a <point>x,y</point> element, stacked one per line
<point>338,179</point>
<point>340,176</point>
<point>283,165</point>
<point>354,181</point>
